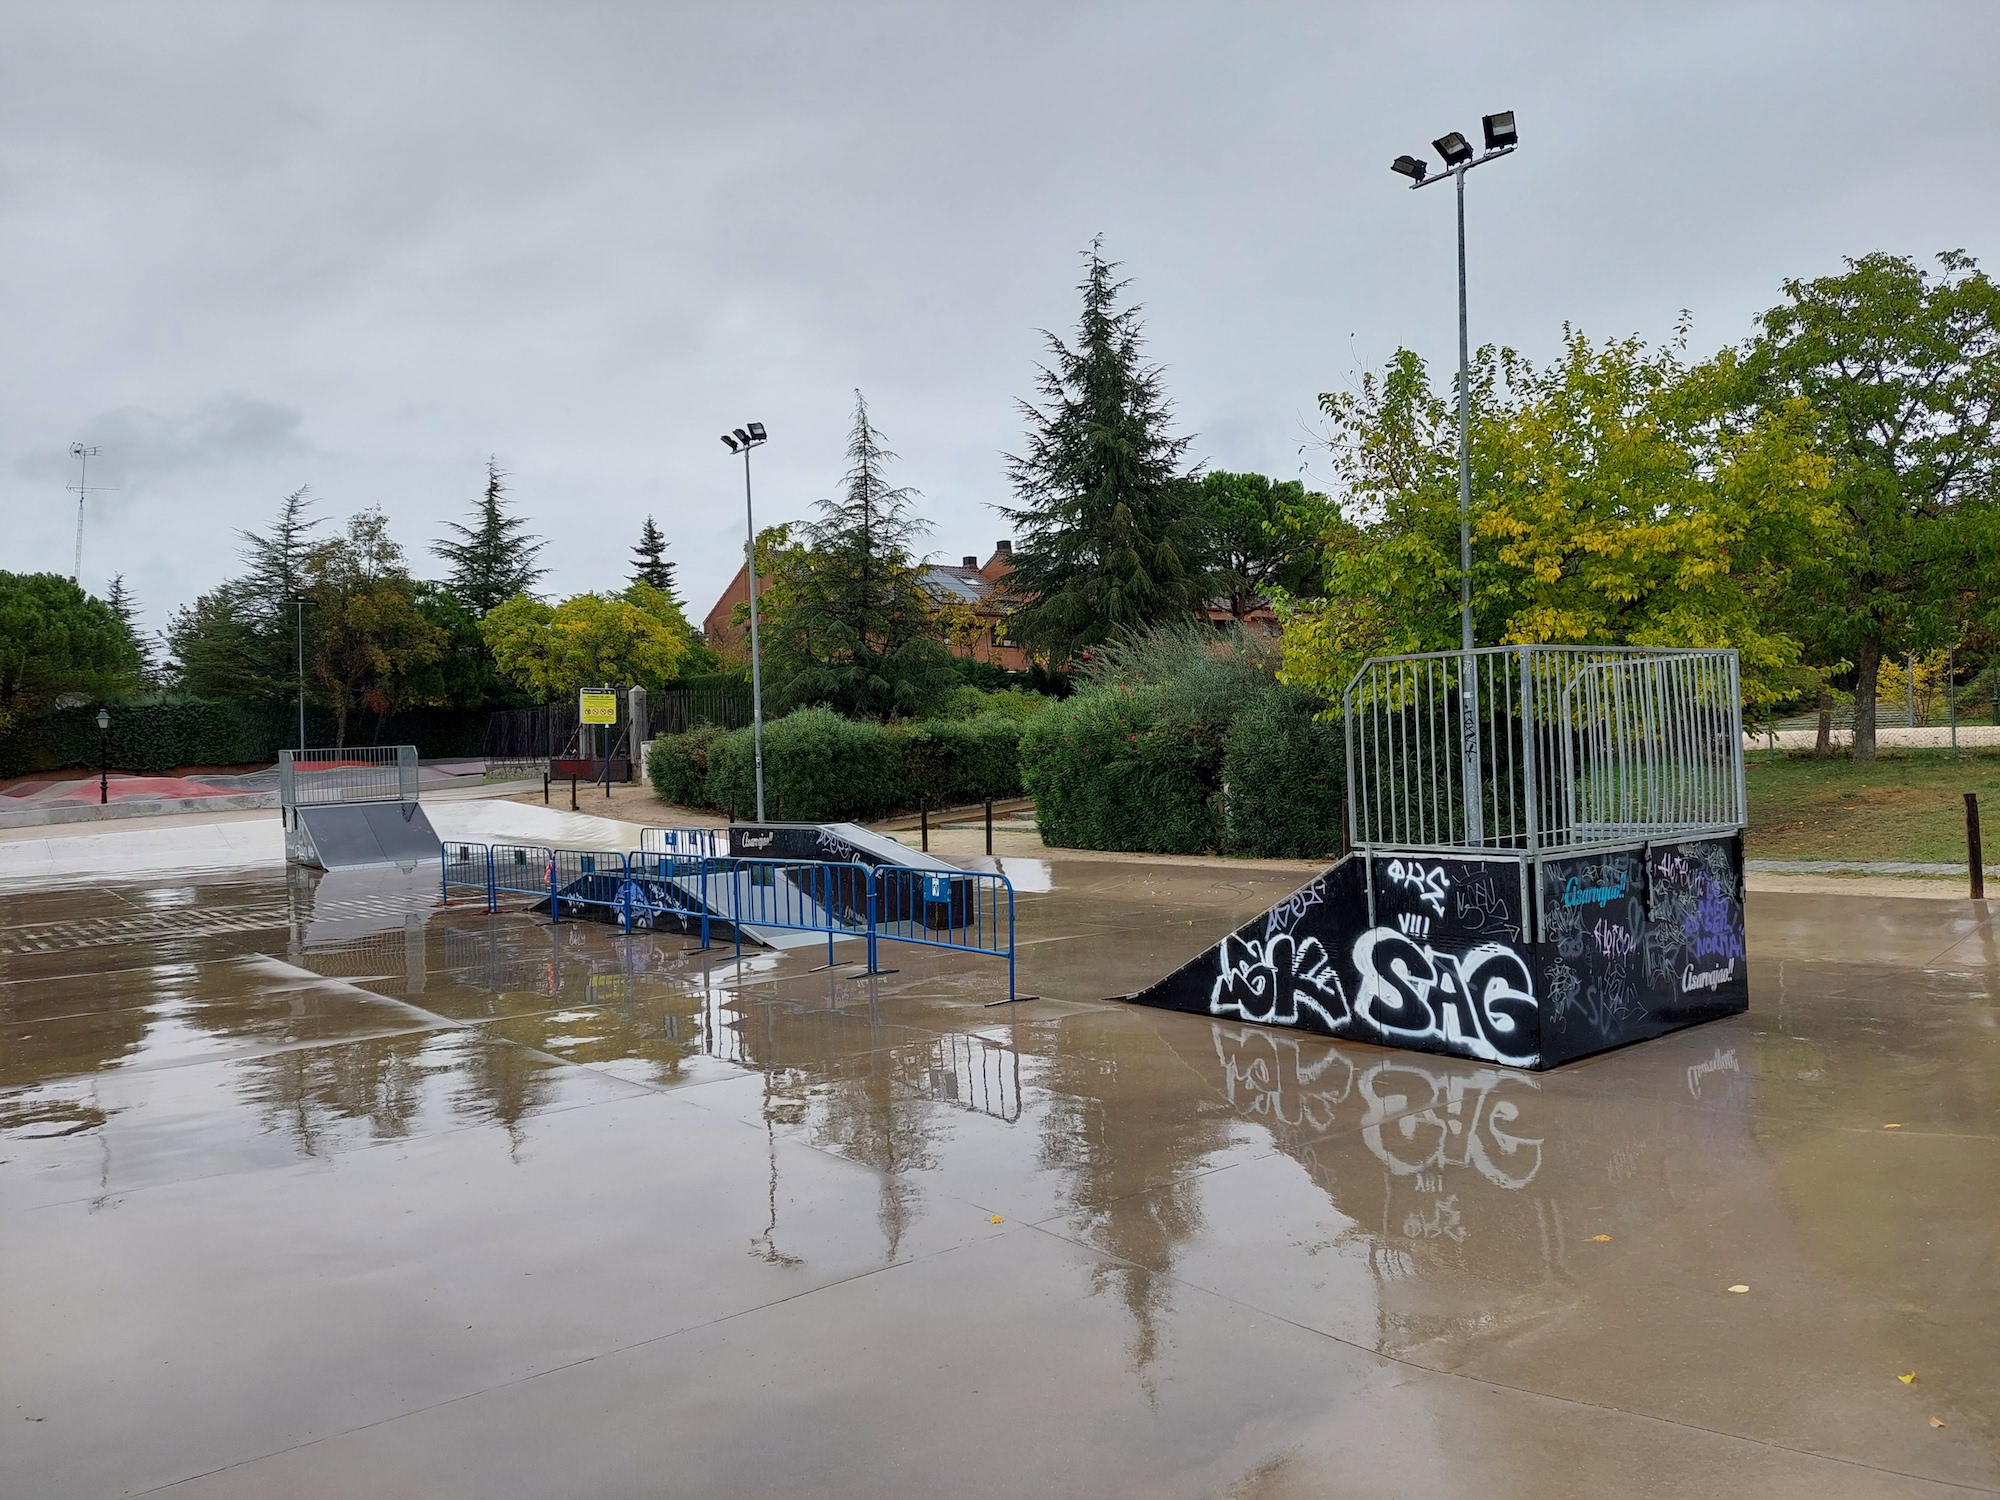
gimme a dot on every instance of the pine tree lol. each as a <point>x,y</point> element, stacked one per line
<point>848,622</point>
<point>1105,536</point>
<point>493,559</point>
<point>119,601</point>
<point>238,640</point>
<point>649,561</point>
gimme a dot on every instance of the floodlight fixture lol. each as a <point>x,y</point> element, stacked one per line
<point>1500,132</point>
<point>1411,168</point>
<point>756,432</point>
<point>729,442</point>
<point>1454,148</point>
<point>742,437</point>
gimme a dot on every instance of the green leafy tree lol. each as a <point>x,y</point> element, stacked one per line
<point>846,621</point>
<point>638,637</point>
<point>493,559</point>
<point>1260,537</point>
<point>1106,539</point>
<point>1613,504</point>
<point>649,561</point>
<point>1901,370</point>
<point>57,642</point>
<point>239,639</point>
<point>370,643</point>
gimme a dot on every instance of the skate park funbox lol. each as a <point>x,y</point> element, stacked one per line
<point>1545,861</point>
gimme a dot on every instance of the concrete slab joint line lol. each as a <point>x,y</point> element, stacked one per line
<point>1854,866</point>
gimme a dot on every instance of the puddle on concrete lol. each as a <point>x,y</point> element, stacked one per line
<point>294,1159</point>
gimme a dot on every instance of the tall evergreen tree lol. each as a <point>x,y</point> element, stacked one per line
<point>493,559</point>
<point>237,640</point>
<point>649,561</point>
<point>848,622</point>
<point>119,602</point>
<point>1105,539</point>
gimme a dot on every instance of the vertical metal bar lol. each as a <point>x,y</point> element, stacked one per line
<point>1528,763</point>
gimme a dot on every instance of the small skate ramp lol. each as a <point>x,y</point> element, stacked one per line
<point>361,834</point>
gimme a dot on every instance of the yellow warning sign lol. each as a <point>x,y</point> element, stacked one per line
<point>597,706</point>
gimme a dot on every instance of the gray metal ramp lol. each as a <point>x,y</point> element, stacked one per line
<point>344,837</point>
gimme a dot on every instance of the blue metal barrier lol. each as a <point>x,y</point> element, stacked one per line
<point>466,867</point>
<point>667,885</point>
<point>589,877</point>
<point>521,870</point>
<point>799,895</point>
<point>701,843</point>
<point>971,911</point>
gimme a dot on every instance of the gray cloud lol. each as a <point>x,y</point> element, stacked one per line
<point>589,238</point>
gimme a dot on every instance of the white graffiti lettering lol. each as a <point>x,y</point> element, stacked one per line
<point>1710,979</point>
<point>1413,925</point>
<point>1720,1062</point>
<point>1613,941</point>
<point>1417,1122</point>
<point>1277,981</point>
<point>1430,885</point>
<point>1481,1003</point>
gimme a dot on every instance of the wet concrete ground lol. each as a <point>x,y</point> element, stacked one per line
<point>309,1190</point>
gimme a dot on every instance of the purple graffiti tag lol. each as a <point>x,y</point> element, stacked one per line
<point>1710,925</point>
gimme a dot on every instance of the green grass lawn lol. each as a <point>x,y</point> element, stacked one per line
<point>1905,806</point>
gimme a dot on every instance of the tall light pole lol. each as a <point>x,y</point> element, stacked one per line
<point>1459,159</point>
<point>299,602</point>
<point>742,440</point>
<point>84,489</point>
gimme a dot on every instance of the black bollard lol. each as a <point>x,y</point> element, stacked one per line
<point>989,825</point>
<point>1974,856</point>
<point>924,823</point>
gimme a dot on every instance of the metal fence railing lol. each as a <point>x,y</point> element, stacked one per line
<point>467,867</point>
<point>361,773</point>
<point>1522,749</point>
<point>967,911</point>
<point>703,843</point>
<point>727,706</point>
<point>971,911</point>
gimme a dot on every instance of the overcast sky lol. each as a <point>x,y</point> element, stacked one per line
<point>360,247</point>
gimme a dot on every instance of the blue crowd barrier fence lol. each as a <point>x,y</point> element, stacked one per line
<point>521,870</point>
<point>668,885</point>
<point>798,895</point>
<point>466,867</point>
<point>971,911</point>
<point>702,843</point>
<point>589,877</point>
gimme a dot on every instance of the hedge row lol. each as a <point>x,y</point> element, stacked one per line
<point>822,768</point>
<point>151,738</point>
<point>1156,769</point>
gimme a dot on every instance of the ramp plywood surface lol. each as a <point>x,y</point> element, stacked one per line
<point>370,833</point>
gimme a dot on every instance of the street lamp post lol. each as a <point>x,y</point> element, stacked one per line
<point>299,600</point>
<point>103,758</point>
<point>1459,158</point>
<point>742,440</point>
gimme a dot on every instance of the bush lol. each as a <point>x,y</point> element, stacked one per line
<point>1138,758</point>
<point>822,768</point>
<point>677,765</point>
<point>971,702</point>
<point>1284,778</point>
<point>1122,768</point>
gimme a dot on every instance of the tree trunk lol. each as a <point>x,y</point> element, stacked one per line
<point>1867,667</point>
<point>1823,741</point>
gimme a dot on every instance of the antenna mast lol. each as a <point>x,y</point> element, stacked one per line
<point>83,489</point>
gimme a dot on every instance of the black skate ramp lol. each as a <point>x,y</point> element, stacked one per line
<point>356,835</point>
<point>1502,959</point>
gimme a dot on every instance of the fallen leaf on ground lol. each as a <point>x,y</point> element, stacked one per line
<point>1739,1287</point>
<point>1936,1423</point>
<point>995,1219</point>
<point>1906,1379</point>
<point>1602,1239</point>
<point>1892,1127</point>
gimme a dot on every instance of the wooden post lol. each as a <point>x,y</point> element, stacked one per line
<point>1973,854</point>
<point>989,825</point>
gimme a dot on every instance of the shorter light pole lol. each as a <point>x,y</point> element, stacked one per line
<point>103,758</point>
<point>742,441</point>
<point>299,600</point>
